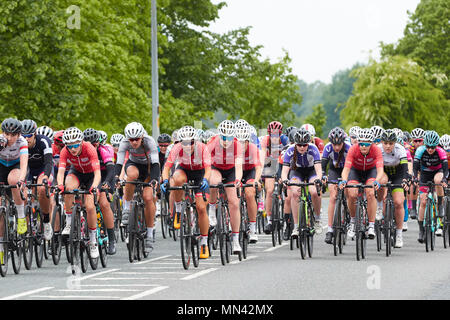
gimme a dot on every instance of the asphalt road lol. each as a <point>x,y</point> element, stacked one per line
<point>269,273</point>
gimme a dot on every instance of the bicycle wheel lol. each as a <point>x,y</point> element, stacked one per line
<point>378,233</point>
<point>164,218</point>
<point>228,233</point>
<point>388,229</point>
<point>102,236</point>
<point>358,232</point>
<point>310,233</point>
<point>301,231</point>
<point>75,239</point>
<point>142,233</point>
<point>185,237</point>
<point>195,246</point>
<point>117,211</point>
<point>275,221</point>
<point>28,243</point>
<point>427,231</point>
<point>336,227</point>
<point>4,244</point>
<point>56,241</point>
<point>243,233</point>
<point>132,233</point>
<point>220,227</point>
<point>39,241</point>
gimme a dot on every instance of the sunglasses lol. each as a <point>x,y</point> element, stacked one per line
<point>302,144</point>
<point>365,144</point>
<point>163,145</point>
<point>274,135</point>
<point>430,147</point>
<point>448,150</point>
<point>27,135</point>
<point>418,140</point>
<point>133,139</point>
<point>187,143</point>
<point>73,146</point>
<point>227,138</point>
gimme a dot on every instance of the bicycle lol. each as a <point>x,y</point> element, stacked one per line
<point>277,210</point>
<point>431,220</point>
<point>341,220</point>
<point>361,220</point>
<point>446,218</point>
<point>306,220</point>
<point>34,237</point>
<point>10,241</point>
<point>223,222</point>
<point>116,207</point>
<point>189,229</point>
<point>137,226</point>
<point>388,226</point>
<point>244,229</point>
<point>102,233</point>
<point>165,216</point>
<point>58,220</point>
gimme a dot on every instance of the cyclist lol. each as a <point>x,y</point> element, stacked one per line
<point>194,164</point>
<point>45,131</point>
<point>377,132</point>
<point>115,140</point>
<point>14,164</point>
<point>302,163</point>
<point>252,170</point>
<point>143,165</point>
<point>431,161</point>
<point>315,140</point>
<point>336,152</point>
<point>364,164</point>
<point>353,134</point>
<point>271,147</point>
<point>105,155</point>
<point>164,140</point>
<point>417,136</point>
<point>84,171</point>
<point>40,165</point>
<point>226,167</point>
<point>445,143</point>
<point>396,171</point>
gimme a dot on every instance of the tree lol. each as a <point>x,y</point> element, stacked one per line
<point>317,118</point>
<point>395,93</point>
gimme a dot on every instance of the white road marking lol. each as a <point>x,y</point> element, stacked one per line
<point>145,293</point>
<point>277,247</point>
<point>26,293</point>
<point>151,260</point>
<point>199,274</point>
<point>243,260</point>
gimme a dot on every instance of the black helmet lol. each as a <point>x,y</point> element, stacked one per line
<point>91,135</point>
<point>337,135</point>
<point>28,126</point>
<point>389,135</point>
<point>291,135</point>
<point>302,136</point>
<point>11,125</point>
<point>288,130</point>
<point>406,136</point>
<point>164,138</point>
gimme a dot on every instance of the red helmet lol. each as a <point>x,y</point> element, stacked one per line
<point>57,138</point>
<point>275,126</point>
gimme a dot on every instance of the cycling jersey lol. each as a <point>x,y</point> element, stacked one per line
<point>147,151</point>
<point>221,158</point>
<point>274,152</point>
<point>319,144</point>
<point>105,155</point>
<point>396,157</point>
<point>251,157</point>
<point>10,155</point>
<point>40,157</point>
<point>308,159</point>
<point>86,162</point>
<point>337,158</point>
<point>430,162</point>
<point>197,160</point>
<point>362,162</point>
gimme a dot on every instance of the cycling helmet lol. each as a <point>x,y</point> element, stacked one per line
<point>431,139</point>
<point>175,136</point>
<point>377,132</point>
<point>444,141</point>
<point>243,133</point>
<point>310,128</point>
<point>91,135</point>
<point>241,123</point>
<point>116,138</point>
<point>389,135</point>
<point>45,131</point>
<point>207,135</point>
<point>275,126</point>
<point>353,132</point>
<point>72,135</point>
<point>288,130</point>
<point>302,136</point>
<point>226,128</point>
<point>292,134</point>
<point>187,133</point>
<point>11,125</point>
<point>57,137</point>
<point>365,135</point>
<point>199,133</point>
<point>398,132</point>
<point>337,135</point>
<point>163,138</point>
<point>28,126</point>
<point>406,136</point>
<point>103,136</point>
<point>134,130</point>
<point>418,133</point>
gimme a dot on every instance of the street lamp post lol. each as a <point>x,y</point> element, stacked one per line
<point>155,93</point>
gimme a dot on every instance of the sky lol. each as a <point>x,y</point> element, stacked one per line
<point>321,37</point>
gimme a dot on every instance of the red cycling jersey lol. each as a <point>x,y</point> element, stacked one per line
<point>197,160</point>
<point>251,157</point>
<point>221,158</point>
<point>85,162</point>
<point>360,162</point>
<point>319,144</point>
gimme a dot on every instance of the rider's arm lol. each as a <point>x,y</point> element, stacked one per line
<point>284,173</point>
<point>62,166</point>
<point>23,165</point>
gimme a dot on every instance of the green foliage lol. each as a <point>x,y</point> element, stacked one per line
<point>395,93</point>
<point>317,118</point>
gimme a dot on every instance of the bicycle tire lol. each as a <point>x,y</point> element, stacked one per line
<point>221,235</point>
<point>28,240</point>
<point>301,231</point>
<point>4,229</point>
<point>39,241</point>
<point>310,234</point>
<point>56,241</point>
<point>228,245</point>
<point>275,221</point>
<point>102,236</point>
<point>337,227</point>
<point>195,246</point>
<point>185,237</point>
<point>243,234</point>
<point>388,229</point>
<point>75,240</point>
<point>358,232</point>
<point>142,233</point>
<point>132,230</point>
<point>164,217</point>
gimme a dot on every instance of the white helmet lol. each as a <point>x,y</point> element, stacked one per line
<point>241,123</point>
<point>377,132</point>
<point>72,135</point>
<point>45,131</point>
<point>134,130</point>
<point>310,128</point>
<point>116,138</point>
<point>243,133</point>
<point>418,133</point>
<point>187,133</point>
<point>353,132</point>
<point>103,136</point>
<point>398,132</point>
<point>365,135</point>
<point>226,128</point>
<point>445,141</point>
